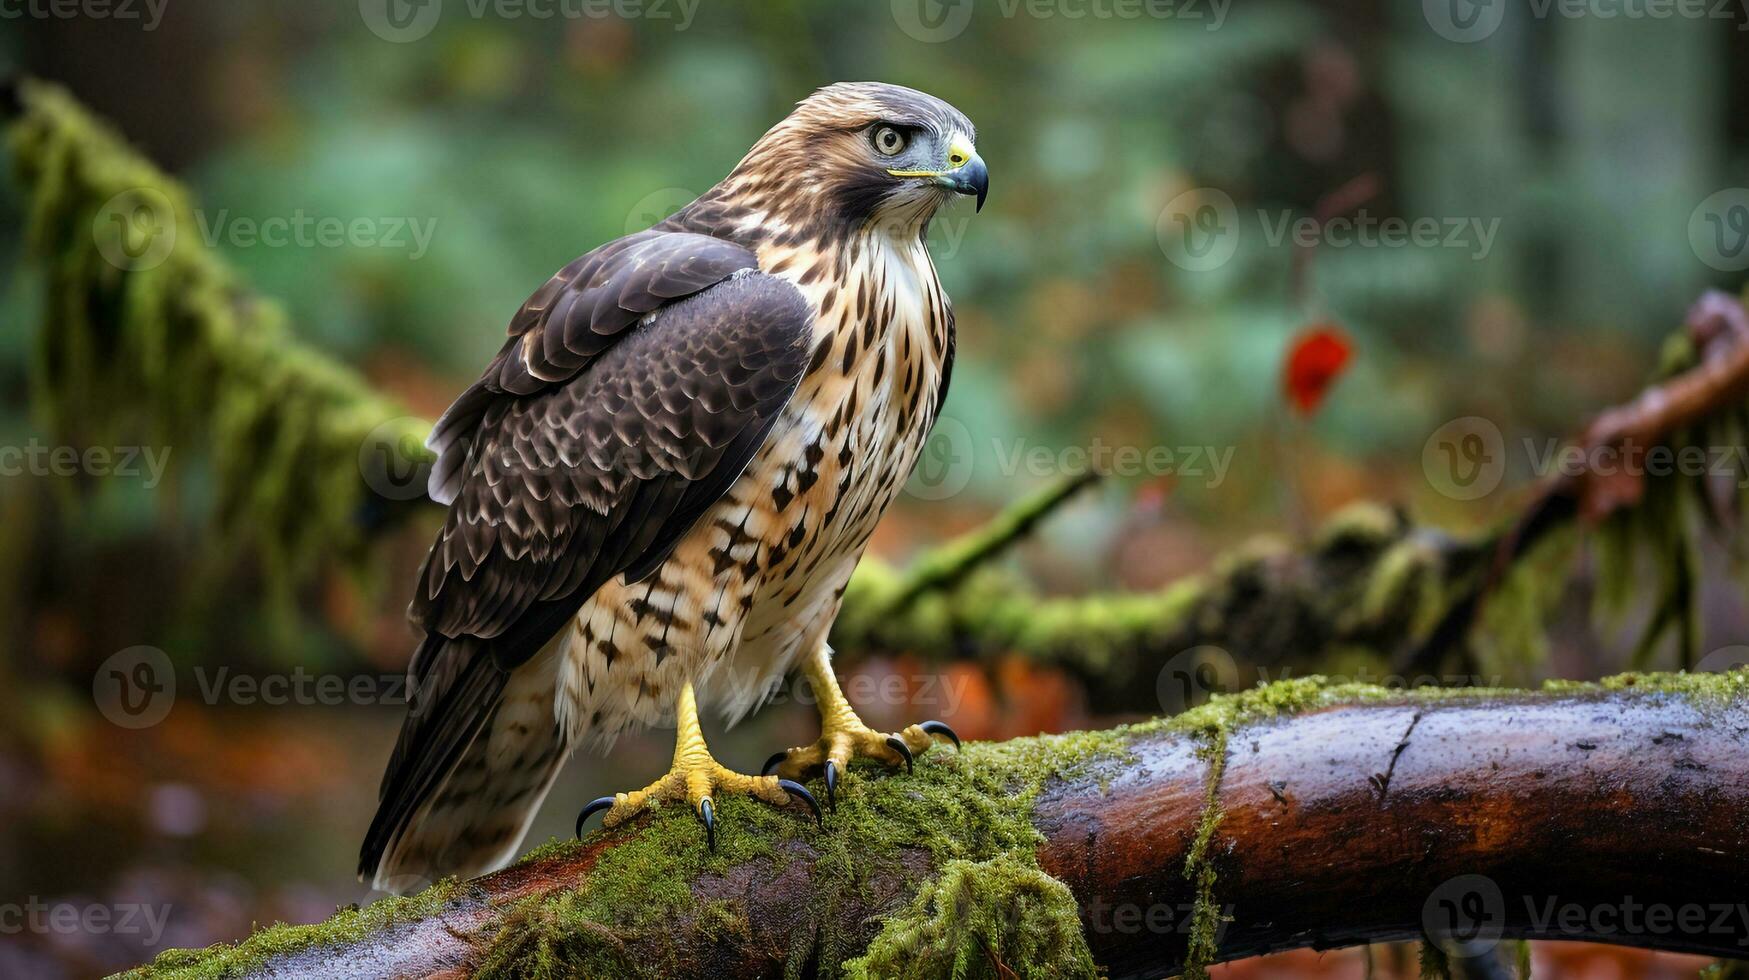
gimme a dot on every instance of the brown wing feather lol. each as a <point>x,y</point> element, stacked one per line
<point>568,322</point>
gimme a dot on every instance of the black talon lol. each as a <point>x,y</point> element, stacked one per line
<point>832,785</point>
<point>937,728</point>
<point>898,745</point>
<point>709,813</point>
<point>772,762</point>
<point>594,806</point>
<point>800,792</point>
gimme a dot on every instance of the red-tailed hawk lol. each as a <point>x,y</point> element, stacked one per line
<point>659,487</point>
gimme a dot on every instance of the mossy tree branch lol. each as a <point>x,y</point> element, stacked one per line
<point>1299,814</point>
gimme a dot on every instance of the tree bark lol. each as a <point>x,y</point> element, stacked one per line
<point>1615,813</point>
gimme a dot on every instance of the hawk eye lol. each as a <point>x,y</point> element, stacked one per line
<point>888,140</point>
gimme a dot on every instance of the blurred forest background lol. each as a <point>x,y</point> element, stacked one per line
<point>1566,160</point>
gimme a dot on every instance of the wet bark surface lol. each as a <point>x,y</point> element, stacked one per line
<point>1615,818</point>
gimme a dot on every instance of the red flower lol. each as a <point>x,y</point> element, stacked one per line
<point>1315,359</point>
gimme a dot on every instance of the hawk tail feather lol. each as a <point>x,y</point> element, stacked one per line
<point>458,797</point>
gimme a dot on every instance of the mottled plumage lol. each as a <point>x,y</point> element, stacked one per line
<point>667,474</point>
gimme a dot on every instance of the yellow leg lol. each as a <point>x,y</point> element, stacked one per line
<point>843,736</point>
<point>695,777</point>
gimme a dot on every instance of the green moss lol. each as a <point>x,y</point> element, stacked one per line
<point>1511,640</point>
<point>989,919</point>
<point>1409,581</point>
<point>277,942</point>
<point>170,348</point>
<point>972,808</point>
<point>1706,691</point>
<point>1363,524</point>
<point>1205,920</point>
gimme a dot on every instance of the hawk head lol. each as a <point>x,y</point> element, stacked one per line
<point>861,153</point>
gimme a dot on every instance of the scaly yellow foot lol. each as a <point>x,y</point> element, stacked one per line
<point>695,777</point>
<point>843,736</point>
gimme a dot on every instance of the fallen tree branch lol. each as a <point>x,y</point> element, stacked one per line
<point>1294,815</point>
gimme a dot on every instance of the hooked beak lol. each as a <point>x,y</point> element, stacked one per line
<point>969,178</point>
